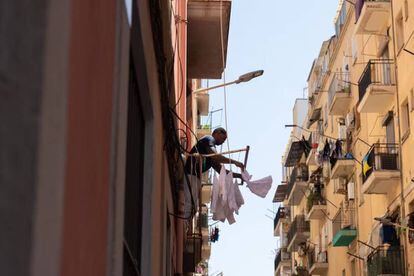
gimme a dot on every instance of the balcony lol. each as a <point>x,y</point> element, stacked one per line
<point>372,16</point>
<point>316,206</point>
<point>343,226</point>
<point>208,30</point>
<point>342,168</point>
<point>282,262</point>
<point>339,94</point>
<point>192,253</point>
<point>297,184</point>
<point>377,86</point>
<point>205,193</point>
<point>386,261</point>
<point>205,251</point>
<point>299,232</point>
<point>301,271</point>
<point>381,169</point>
<point>280,218</point>
<point>318,263</point>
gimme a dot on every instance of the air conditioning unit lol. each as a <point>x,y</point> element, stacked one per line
<point>340,185</point>
<point>350,121</point>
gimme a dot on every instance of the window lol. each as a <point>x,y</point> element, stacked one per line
<point>400,31</point>
<point>405,120</point>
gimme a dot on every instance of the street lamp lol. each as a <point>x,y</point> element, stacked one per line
<point>243,78</point>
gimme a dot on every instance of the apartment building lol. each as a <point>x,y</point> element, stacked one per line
<point>97,106</point>
<point>346,195</point>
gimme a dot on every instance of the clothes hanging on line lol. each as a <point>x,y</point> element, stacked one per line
<point>226,198</point>
<point>259,187</point>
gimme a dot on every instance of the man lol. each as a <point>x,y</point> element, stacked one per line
<point>206,145</point>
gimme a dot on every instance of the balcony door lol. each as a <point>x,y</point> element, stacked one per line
<point>386,67</point>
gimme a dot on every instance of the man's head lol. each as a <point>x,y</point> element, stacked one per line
<point>220,135</point>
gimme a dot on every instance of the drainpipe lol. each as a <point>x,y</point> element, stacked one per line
<point>402,207</point>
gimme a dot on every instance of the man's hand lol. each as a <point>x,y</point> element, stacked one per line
<point>240,165</point>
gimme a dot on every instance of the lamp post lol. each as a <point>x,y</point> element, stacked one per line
<point>243,78</point>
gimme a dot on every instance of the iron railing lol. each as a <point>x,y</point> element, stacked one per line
<point>282,213</point>
<point>299,173</point>
<point>315,197</point>
<point>282,255</point>
<point>339,84</point>
<point>360,4</point>
<point>386,260</point>
<point>377,71</point>
<point>299,225</point>
<point>345,218</point>
<point>380,157</point>
<point>317,257</point>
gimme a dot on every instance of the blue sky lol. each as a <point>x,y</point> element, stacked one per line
<point>283,38</point>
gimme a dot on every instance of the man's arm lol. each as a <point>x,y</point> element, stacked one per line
<point>217,167</point>
<point>224,160</point>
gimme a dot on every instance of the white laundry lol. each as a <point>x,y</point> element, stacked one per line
<point>226,197</point>
<point>259,187</point>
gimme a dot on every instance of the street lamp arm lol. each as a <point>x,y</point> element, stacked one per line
<point>213,87</point>
<point>243,78</point>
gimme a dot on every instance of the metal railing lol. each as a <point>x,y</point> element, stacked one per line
<point>282,255</point>
<point>345,218</point>
<point>299,225</point>
<point>299,173</point>
<point>386,260</point>
<point>317,257</point>
<point>339,84</point>
<point>377,71</point>
<point>360,4</point>
<point>282,213</point>
<point>380,157</point>
<point>315,197</point>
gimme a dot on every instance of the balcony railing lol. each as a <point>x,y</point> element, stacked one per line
<point>343,225</point>
<point>340,84</point>
<point>360,4</point>
<point>380,157</point>
<point>282,256</point>
<point>298,226</point>
<point>282,213</point>
<point>300,174</point>
<point>386,261</point>
<point>316,258</point>
<point>377,72</point>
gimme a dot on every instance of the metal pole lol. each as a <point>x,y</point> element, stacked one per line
<point>213,87</point>
<point>399,134</point>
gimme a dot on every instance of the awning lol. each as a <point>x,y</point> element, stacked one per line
<point>295,153</point>
<point>315,116</point>
<point>280,194</point>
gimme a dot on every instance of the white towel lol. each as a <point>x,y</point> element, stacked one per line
<point>259,187</point>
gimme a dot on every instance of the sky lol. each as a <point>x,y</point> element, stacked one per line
<point>282,38</point>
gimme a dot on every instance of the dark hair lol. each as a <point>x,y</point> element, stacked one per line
<point>220,130</point>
